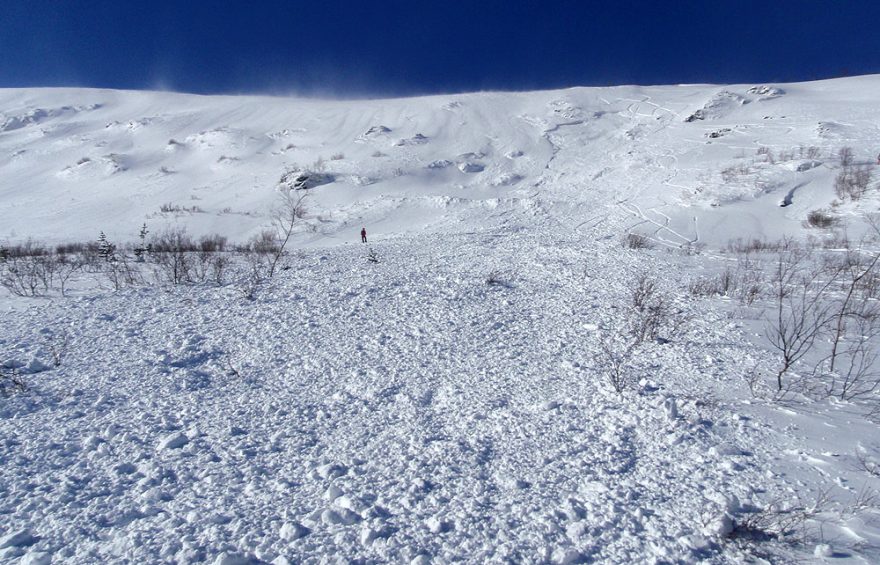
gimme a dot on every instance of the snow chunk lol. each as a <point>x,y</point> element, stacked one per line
<point>301,179</point>
<point>440,164</point>
<point>507,179</point>
<point>234,559</point>
<point>331,471</point>
<point>417,139</point>
<point>718,106</point>
<point>721,526</point>
<point>471,167</point>
<point>19,538</point>
<point>293,531</point>
<point>437,526</point>
<point>342,517</point>
<point>376,130</point>
<point>566,556</point>
<point>37,558</point>
<point>766,92</point>
<point>823,550</point>
<point>332,493</point>
<point>173,441</point>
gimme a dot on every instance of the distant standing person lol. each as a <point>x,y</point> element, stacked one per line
<point>364,235</point>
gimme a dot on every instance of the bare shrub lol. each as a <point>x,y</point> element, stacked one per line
<point>285,218</point>
<point>781,519</point>
<point>845,155</point>
<point>636,241</point>
<point>11,381</point>
<point>120,272</point>
<point>617,357</point>
<point>648,318</point>
<point>337,156</point>
<point>67,266</point>
<point>820,219</point>
<point>171,208</point>
<point>852,182</point>
<point>867,464</point>
<point>733,172</point>
<point>171,256</point>
<point>755,245</point>
<point>799,312</point>
<point>704,287</point>
<point>768,153</point>
<point>29,275</point>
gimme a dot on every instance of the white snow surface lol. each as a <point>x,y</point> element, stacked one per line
<point>406,411</point>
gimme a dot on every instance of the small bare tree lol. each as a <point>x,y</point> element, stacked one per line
<point>287,215</point>
<point>799,313</point>
<point>67,266</point>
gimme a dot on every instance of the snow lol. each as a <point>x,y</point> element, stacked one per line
<point>450,401</point>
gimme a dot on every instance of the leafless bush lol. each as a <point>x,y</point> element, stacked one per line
<point>67,266</point>
<point>497,278</point>
<point>29,275</point>
<point>781,519</point>
<point>285,218</point>
<point>212,243</point>
<point>867,464</point>
<point>704,287</point>
<point>853,326</point>
<point>253,279</point>
<point>845,155</point>
<point>57,344</point>
<point>648,319</point>
<point>768,152</point>
<point>11,381</point>
<point>820,219</point>
<point>120,272</point>
<point>755,245</point>
<point>211,266</point>
<point>171,256</point>
<point>809,152</point>
<point>636,241</point>
<point>852,182</point>
<point>337,156</point>
<point>799,311</point>
<point>171,208</point>
<point>71,248</point>
<point>733,172</point>
<point>617,355</point>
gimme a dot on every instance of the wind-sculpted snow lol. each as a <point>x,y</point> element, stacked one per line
<point>668,150</point>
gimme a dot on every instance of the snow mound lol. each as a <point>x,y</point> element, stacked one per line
<point>38,115</point>
<point>417,139</point>
<point>303,179</point>
<point>719,106</point>
<point>765,92</point>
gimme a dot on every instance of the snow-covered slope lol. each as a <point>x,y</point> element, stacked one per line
<point>683,160</point>
<point>407,410</point>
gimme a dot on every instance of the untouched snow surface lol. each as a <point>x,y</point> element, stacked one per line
<point>406,410</point>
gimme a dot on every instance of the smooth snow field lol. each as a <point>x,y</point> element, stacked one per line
<point>450,400</point>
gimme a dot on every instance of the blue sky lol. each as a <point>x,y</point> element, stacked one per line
<point>368,48</point>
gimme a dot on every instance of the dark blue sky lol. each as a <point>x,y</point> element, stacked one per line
<point>374,47</point>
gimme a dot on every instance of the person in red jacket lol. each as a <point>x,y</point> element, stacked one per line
<point>364,235</point>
